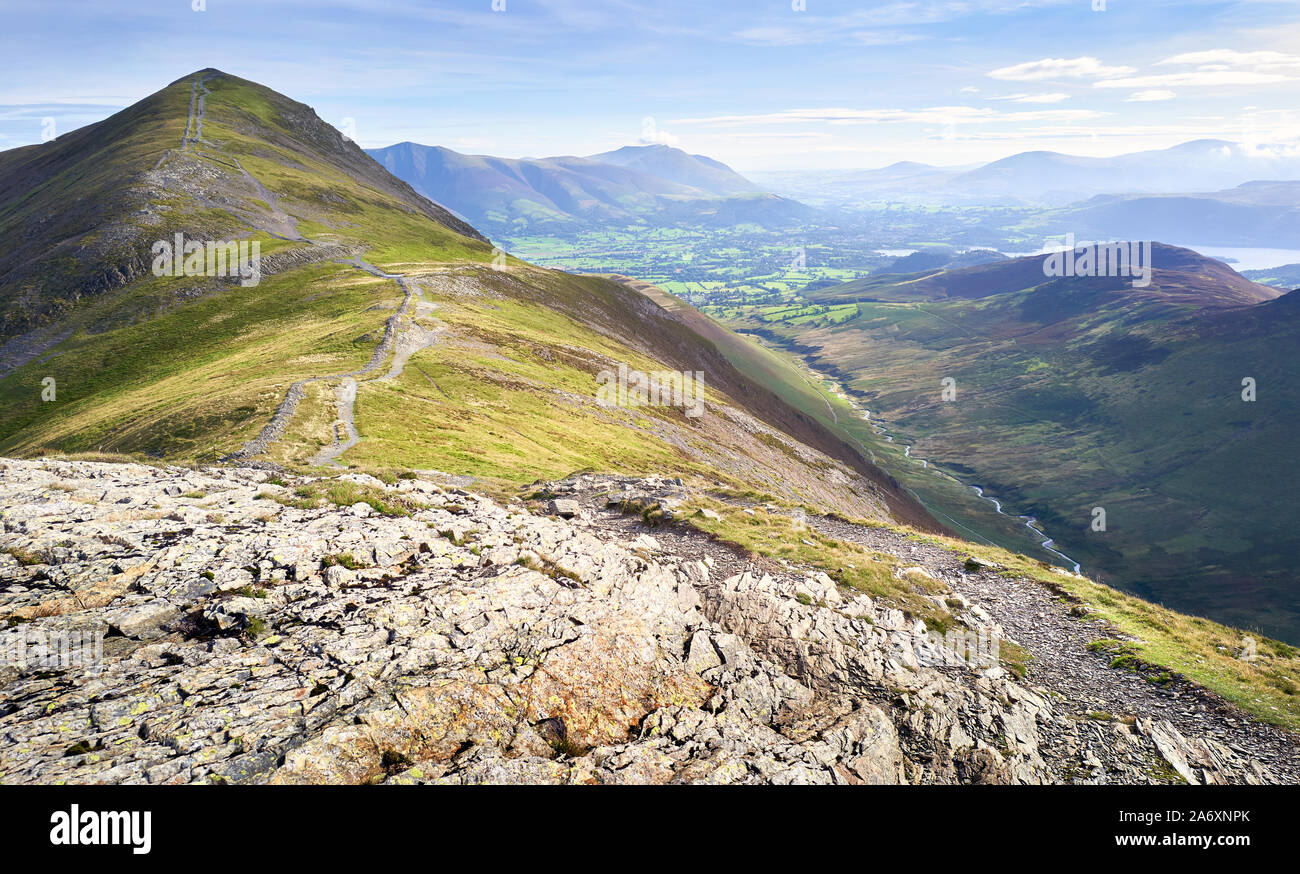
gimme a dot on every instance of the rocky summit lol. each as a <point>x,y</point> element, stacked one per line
<point>239,625</point>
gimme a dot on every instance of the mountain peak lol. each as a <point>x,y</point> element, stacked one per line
<point>206,72</point>
<point>633,184</point>
<point>676,165</point>
<point>211,156</point>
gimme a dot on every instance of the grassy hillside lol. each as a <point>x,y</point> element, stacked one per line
<point>820,399</point>
<point>371,292</point>
<point>1285,277</point>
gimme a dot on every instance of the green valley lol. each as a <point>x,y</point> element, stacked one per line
<point>1070,395</point>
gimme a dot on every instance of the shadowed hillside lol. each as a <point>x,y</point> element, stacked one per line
<point>1080,393</point>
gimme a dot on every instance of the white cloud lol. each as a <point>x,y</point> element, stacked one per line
<point>1150,96</point>
<point>1059,68</point>
<point>784,35</point>
<point>1216,67</point>
<point>879,23</point>
<point>658,138</point>
<point>882,37</point>
<point>1226,59</point>
<point>1055,97</point>
<point>943,115</point>
<point>1065,115</point>
<point>1195,78</point>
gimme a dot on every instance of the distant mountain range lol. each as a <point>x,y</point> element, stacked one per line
<point>1256,214</point>
<point>855,189</point>
<point>514,196</point>
<point>1205,192</point>
<point>1047,178</point>
<point>1182,277</point>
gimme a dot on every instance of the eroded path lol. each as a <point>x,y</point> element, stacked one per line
<point>403,337</point>
<point>345,429</point>
<point>194,124</point>
<point>345,436</point>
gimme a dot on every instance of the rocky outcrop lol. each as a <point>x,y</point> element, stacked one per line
<point>246,638</point>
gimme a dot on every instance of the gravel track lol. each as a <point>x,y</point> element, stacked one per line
<point>1037,618</point>
<point>402,338</point>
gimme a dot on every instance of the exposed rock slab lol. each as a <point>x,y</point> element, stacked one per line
<point>473,641</point>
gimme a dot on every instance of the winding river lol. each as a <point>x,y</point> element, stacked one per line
<point>1045,541</point>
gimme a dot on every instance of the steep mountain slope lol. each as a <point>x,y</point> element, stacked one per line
<point>377,335</point>
<point>509,197</point>
<point>1079,393</point>
<point>200,157</point>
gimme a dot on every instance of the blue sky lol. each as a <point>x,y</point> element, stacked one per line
<point>758,84</point>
